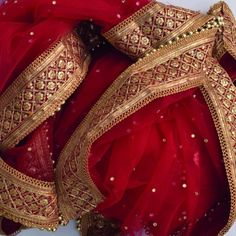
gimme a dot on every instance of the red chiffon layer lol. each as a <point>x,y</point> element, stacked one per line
<point>30,27</point>
<point>161,169</point>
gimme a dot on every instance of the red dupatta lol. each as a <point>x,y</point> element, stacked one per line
<point>29,31</point>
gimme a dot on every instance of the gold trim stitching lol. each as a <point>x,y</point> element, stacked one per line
<point>26,200</point>
<point>141,33</point>
<point>217,85</point>
<point>88,131</point>
<point>41,89</point>
<point>220,95</point>
<point>227,41</point>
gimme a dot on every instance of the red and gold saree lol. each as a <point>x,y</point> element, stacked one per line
<point>132,135</point>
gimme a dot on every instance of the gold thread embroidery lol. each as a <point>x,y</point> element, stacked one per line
<point>28,201</point>
<point>222,108</point>
<point>227,38</point>
<point>41,89</point>
<point>220,94</point>
<point>131,91</point>
<point>154,25</point>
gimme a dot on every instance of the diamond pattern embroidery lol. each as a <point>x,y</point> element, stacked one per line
<point>39,91</point>
<point>145,36</point>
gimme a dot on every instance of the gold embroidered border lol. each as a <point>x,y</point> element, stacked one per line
<point>227,40</point>
<point>28,201</point>
<point>41,89</point>
<point>122,27</point>
<point>220,94</point>
<point>218,90</point>
<point>153,25</point>
<point>131,91</point>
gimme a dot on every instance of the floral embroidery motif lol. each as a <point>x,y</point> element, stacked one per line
<point>220,94</point>
<point>155,76</point>
<point>31,202</point>
<point>149,27</point>
<point>41,89</point>
<point>227,39</point>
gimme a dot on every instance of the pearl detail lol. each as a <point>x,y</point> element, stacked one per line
<point>214,23</point>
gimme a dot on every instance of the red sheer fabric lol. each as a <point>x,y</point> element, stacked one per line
<point>104,69</point>
<point>229,64</point>
<point>31,26</point>
<point>161,168</point>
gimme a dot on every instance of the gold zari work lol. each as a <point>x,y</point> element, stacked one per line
<point>35,95</point>
<point>152,26</point>
<point>26,200</point>
<point>41,89</point>
<point>227,39</point>
<point>170,70</point>
<point>178,66</point>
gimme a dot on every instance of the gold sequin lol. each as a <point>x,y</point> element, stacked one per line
<point>44,202</point>
<point>144,40</point>
<point>234,110</point>
<point>224,82</point>
<point>62,64</point>
<point>28,95</point>
<point>51,85</point>
<point>26,106</point>
<point>134,38</point>
<point>200,56</point>
<point>6,125</point>
<point>70,65</point>
<point>51,74</point>
<point>40,85</point>
<point>39,96</point>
